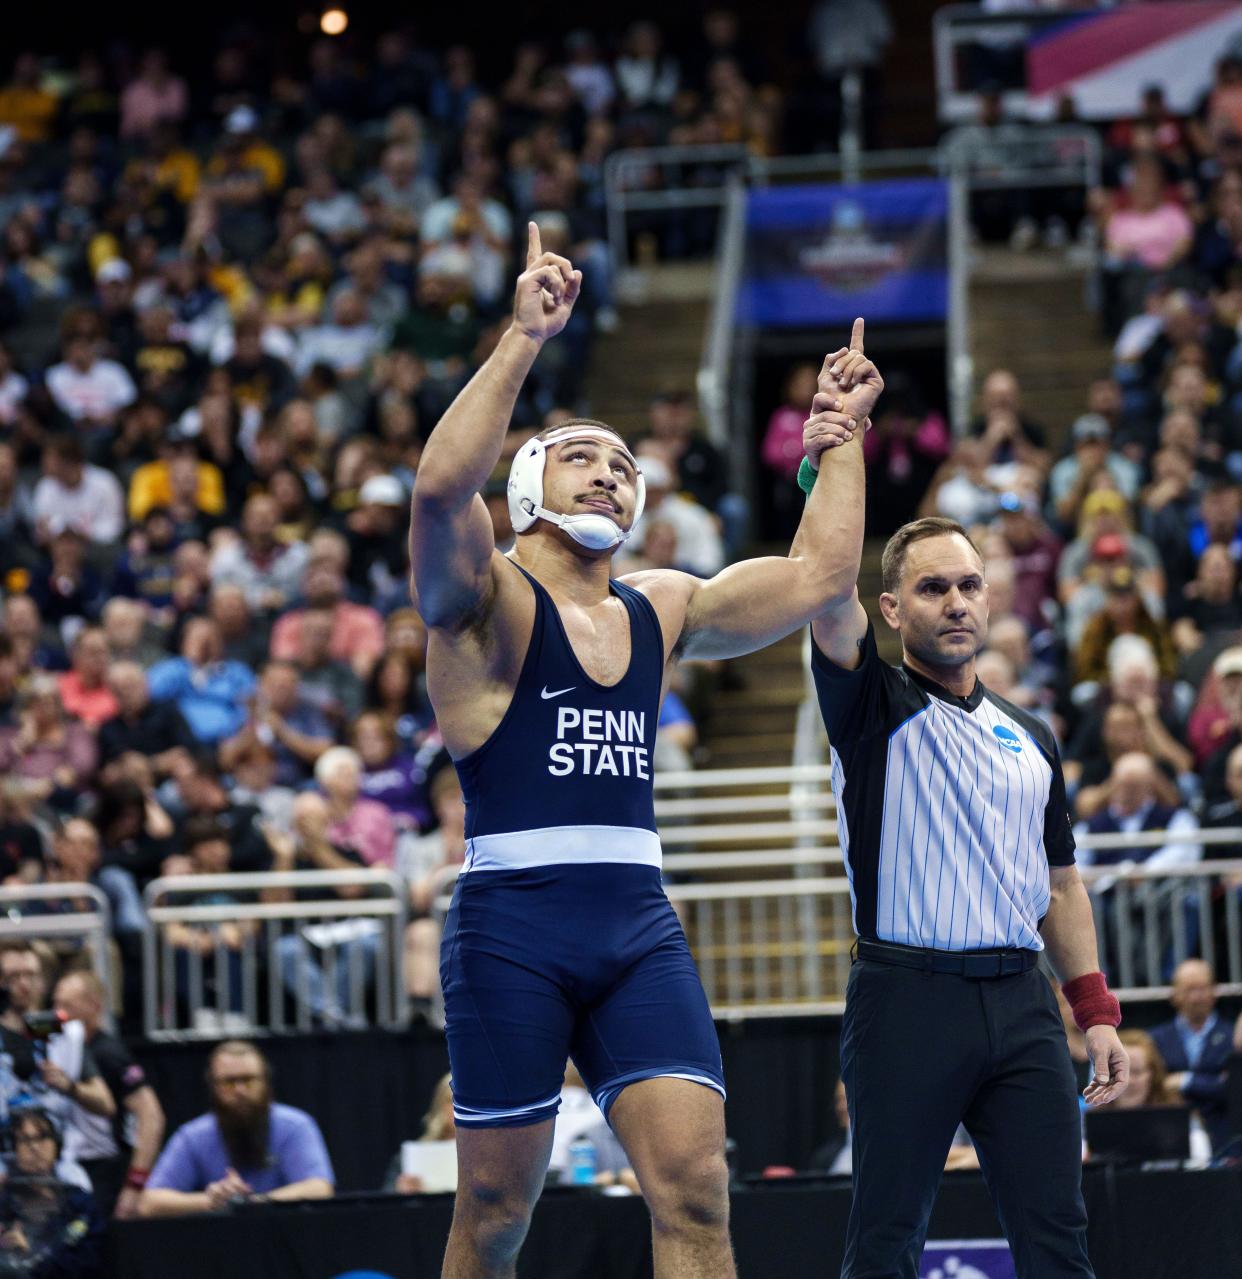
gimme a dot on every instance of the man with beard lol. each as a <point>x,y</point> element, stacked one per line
<point>246,1147</point>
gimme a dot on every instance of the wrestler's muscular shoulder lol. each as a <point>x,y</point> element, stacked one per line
<point>473,666</point>
<point>669,593</point>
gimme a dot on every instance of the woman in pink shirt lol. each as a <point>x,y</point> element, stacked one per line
<point>363,826</point>
<point>1152,231</point>
<point>48,757</point>
<point>781,451</point>
<point>154,97</point>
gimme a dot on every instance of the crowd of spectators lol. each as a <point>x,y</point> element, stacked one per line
<point>1113,560</point>
<point>232,307</point>
<point>230,313</point>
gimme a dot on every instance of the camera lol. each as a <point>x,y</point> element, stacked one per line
<point>44,1025</point>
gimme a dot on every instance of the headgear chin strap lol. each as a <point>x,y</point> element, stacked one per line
<point>525,492</point>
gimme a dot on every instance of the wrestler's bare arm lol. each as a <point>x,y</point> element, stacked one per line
<point>451,543</point>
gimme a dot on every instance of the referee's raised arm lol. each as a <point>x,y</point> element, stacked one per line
<point>840,483</point>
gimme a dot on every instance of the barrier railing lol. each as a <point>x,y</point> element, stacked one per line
<point>663,180</point>
<point>1068,156</point>
<point>778,943</point>
<point>974,46</point>
<point>229,953</point>
<point>61,913</point>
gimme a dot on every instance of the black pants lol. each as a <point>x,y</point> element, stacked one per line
<point>107,1180</point>
<point>923,1052</point>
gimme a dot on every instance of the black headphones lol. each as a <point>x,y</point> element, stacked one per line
<point>44,1118</point>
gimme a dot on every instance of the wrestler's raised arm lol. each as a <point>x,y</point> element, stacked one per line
<point>451,541</point>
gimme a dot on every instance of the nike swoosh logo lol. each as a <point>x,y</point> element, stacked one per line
<point>545,694</point>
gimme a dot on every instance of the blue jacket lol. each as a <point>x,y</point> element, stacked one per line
<point>213,699</point>
<point>1205,1088</point>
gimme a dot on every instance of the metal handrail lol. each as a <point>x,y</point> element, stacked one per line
<point>752,943</point>
<point>620,199</point>
<point>159,977</point>
<point>767,775</point>
<point>93,926</point>
<point>952,105</point>
<point>955,161</point>
<point>715,365</point>
<point>761,169</point>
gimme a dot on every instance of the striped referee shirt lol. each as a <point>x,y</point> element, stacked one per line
<point>950,809</point>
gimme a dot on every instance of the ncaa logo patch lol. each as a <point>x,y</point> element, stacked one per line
<point>1007,738</point>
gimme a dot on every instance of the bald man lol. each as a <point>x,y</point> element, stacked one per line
<point>1196,1045</point>
<point>154,729</point>
<point>119,1150</point>
<point>1000,405</point>
<point>1134,805</point>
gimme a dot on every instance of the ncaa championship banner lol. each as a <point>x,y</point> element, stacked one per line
<point>967,1259</point>
<point>820,255</point>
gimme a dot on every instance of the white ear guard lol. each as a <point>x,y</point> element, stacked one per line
<point>525,493</point>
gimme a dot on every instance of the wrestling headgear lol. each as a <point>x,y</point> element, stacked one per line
<point>596,532</point>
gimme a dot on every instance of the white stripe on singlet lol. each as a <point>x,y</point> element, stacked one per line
<point>562,846</point>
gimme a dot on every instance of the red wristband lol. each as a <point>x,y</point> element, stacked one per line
<point>1092,1002</point>
<point>136,1178</point>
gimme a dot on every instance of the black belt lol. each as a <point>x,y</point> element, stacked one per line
<point>963,963</point>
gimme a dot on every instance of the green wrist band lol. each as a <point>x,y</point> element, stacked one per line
<point>806,476</point>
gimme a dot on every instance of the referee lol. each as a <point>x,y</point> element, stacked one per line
<point>952,818</point>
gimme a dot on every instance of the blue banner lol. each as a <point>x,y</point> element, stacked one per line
<point>967,1259</point>
<point>818,255</point>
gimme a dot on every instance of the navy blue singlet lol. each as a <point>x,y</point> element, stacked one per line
<point>565,778</point>
<point>560,941</point>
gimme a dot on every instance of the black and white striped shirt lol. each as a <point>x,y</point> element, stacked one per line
<point>950,809</point>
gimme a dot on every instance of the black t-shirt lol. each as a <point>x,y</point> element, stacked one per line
<point>21,1050</point>
<point>950,809</point>
<point>159,727</point>
<point>1032,431</point>
<point>250,850</point>
<point>703,473</point>
<point>19,842</point>
<point>124,1077</point>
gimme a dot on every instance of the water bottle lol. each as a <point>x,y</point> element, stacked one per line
<point>8,1086</point>
<point>582,1162</point>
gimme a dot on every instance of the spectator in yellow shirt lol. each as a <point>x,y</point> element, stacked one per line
<point>241,135</point>
<point>176,168</point>
<point>153,483</point>
<point>25,104</point>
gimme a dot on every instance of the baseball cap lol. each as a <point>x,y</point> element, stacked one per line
<point>1228,663</point>
<point>656,472</point>
<point>1014,503</point>
<point>113,271</point>
<point>382,490</point>
<point>241,119</point>
<point>1090,426</point>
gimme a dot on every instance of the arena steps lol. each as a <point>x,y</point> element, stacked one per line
<point>656,347</point>
<point>1029,312</point>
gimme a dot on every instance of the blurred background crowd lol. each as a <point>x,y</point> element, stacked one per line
<point>233,305</point>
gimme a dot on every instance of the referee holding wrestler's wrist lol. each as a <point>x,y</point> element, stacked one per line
<point>952,818</point>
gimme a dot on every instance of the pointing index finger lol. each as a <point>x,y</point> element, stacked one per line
<point>533,246</point>
<point>856,337</point>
